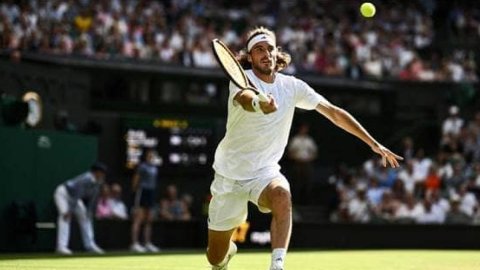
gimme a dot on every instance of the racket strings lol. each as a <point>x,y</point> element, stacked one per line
<point>231,66</point>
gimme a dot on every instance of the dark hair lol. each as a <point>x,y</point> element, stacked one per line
<point>98,166</point>
<point>283,58</point>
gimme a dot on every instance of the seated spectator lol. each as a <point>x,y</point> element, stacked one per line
<point>103,206</point>
<point>117,206</point>
<point>172,208</point>
<point>407,177</point>
<point>455,215</point>
<point>358,207</point>
<point>387,208</point>
<point>432,182</point>
<point>430,214</point>
<point>374,192</point>
<point>110,205</point>
<point>438,201</point>
<point>468,202</point>
<point>409,211</point>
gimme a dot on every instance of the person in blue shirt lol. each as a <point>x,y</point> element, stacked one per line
<point>144,183</point>
<point>78,196</point>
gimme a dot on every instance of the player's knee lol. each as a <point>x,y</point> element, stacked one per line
<point>281,198</point>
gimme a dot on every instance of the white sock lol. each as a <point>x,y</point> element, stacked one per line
<point>278,258</point>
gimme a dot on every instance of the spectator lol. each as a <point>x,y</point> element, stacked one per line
<point>408,149</point>
<point>455,215</point>
<point>453,123</point>
<point>172,208</point>
<point>430,214</point>
<point>406,175</point>
<point>409,211</point>
<point>374,192</point>
<point>358,207</point>
<point>385,211</point>
<point>432,181</point>
<point>302,150</point>
<point>117,206</point>
<point>468,202</point>
<point>136,29</point>
<point>103,205</point>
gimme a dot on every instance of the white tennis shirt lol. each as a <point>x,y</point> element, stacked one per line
<point>254,142</point>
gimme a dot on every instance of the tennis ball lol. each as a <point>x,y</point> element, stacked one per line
<point>367,9</point>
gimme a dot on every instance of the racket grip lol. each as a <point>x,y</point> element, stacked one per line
<point>263,97</point>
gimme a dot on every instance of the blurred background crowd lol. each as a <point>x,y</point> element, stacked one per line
<point>405,41</point>
<point>420,40</point>
<point>434,189</point>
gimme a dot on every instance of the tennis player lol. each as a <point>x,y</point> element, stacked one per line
<point>246,160</point>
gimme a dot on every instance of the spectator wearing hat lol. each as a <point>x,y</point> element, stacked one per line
<point>78,196</point>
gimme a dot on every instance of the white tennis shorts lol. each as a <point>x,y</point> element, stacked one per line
<point>229,205</point>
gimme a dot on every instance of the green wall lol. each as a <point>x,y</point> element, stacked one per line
<point>32,164</point>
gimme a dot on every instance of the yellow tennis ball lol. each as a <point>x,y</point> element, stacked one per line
<point>367,9</point>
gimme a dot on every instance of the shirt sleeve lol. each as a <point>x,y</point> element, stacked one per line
<point>305,97</point>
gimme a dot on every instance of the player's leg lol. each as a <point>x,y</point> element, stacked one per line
<point>63,221</point>
<point>227,210</point>
<point>86,228</point>
<point>218,246</point>
<point>276,197</point>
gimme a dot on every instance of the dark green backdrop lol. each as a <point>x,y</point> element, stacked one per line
<point>32,164</point>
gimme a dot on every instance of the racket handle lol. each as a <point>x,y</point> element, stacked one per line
<point>263,97</point>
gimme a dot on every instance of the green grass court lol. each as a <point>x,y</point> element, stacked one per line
<point>246,260</point>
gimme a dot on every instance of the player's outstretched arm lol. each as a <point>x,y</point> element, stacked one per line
<point>346,121</point>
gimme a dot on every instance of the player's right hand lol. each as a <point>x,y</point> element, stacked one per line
<point>270,106</point>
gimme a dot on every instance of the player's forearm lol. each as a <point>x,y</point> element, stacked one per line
<point>244,98</point>
<point>346,121</point>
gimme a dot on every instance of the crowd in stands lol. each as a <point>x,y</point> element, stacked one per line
<point>170,207</point>
<point>328,39</point>
<point>440,189</point>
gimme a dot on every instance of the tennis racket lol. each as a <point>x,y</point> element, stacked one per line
<point>233,69</point>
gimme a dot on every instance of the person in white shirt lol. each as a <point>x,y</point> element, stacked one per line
<point>359,208</point>
<point>431,214</point>
<point>453,123</point>
<point>302,150</point>
<point>410,210</point>
<point>246,160</point>
<point>117,206</point>
<point>468,201</point>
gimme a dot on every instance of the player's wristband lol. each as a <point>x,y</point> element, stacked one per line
<point>256,104</point>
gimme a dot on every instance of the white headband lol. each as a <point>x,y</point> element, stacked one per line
<point>259,38</point>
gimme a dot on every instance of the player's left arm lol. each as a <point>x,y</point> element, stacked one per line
<point>346,121</point>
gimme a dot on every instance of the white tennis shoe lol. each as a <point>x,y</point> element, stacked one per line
<point>151,247</point>
<point>136,247</point>
<point>277,264</point>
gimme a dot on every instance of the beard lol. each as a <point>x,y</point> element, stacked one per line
<point>264,69</point>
